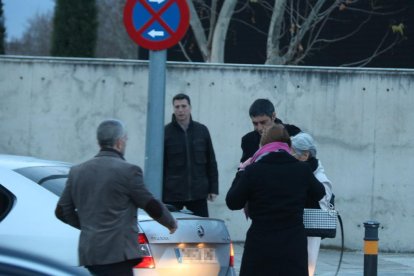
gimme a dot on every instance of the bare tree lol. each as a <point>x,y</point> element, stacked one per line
<point>296,28</point>
<point>113,41</point>
<point>36,39</point>
<point>211,36</point>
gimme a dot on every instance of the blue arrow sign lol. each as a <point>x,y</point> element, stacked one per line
<point>156,24</point>
<point>153,25</point>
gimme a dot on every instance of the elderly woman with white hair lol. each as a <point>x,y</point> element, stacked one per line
<point>304,149</point>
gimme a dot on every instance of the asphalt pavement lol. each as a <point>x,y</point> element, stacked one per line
<point>389,264</point>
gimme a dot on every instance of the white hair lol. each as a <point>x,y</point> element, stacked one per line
<point>303,142</point>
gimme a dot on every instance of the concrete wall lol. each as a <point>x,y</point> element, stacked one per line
<point>361,119</point>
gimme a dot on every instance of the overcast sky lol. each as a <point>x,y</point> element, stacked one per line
<point>17,12</point>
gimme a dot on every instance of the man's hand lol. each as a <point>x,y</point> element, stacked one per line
<point>173,229</point>
<point>211,197</point>
<point>243,165</point>
<point>246,211</point>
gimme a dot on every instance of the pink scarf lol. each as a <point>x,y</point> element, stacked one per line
<point>271,147</point>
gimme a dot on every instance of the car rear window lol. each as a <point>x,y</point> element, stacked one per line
<point>52,178</point>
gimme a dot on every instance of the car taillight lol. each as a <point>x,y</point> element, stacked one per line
<point>147,262</point>
<point>144,252</point>
<point>231,263</point>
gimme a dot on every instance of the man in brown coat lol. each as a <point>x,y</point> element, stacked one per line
<point>101,198</point>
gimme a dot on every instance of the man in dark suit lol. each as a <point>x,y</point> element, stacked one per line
<point>262,113</point>
<point>101,198</point>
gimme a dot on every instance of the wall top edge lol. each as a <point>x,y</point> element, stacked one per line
<point>201,65</point>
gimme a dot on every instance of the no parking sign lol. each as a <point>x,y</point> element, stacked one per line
<point>156,24</point>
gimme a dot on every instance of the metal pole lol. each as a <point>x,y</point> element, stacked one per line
<point>371,248</point>
<point>154,139</point>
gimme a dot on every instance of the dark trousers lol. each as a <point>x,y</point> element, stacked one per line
<point>283,252</point>
<point>119,269</point>
<point>198,207</point>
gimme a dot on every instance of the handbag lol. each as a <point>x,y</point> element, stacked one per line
<point>320,223</point>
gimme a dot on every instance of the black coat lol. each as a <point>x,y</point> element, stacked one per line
<point>190,168</point>
<point>250,141</point>
<point>276,189</point>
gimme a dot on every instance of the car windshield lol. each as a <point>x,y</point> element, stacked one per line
<point>52,178</point>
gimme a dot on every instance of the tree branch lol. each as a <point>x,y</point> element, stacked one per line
<point>198,31</point>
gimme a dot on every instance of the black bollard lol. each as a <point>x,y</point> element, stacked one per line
<point>371,248</point>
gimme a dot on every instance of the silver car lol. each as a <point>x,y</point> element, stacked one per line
<point>21,263</point>
<point>29,191</point>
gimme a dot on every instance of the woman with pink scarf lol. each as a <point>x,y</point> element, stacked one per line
<point>275,185</point>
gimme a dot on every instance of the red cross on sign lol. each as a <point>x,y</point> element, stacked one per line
<point>156,24</point>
